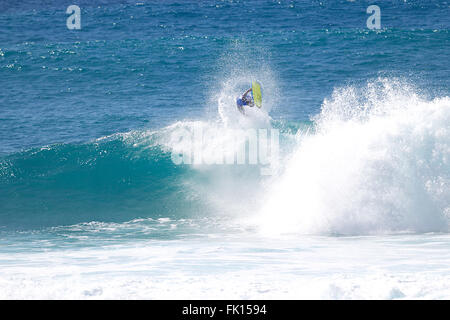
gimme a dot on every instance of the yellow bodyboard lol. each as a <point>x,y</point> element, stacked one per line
<point>256,93</point>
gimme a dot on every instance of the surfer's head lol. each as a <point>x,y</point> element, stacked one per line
<point>239,102</point>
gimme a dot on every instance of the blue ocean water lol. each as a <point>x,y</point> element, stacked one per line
<point>86,118</point>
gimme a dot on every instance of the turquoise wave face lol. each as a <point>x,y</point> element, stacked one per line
<point>106,181</point>
<point>124,177</point>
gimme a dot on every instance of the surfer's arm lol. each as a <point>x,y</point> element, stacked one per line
<point>246,93</point>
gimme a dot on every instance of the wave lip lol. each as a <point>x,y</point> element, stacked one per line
<point>378,163</point>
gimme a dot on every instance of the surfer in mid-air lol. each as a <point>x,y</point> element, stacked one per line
<point>252,97</point>
<point>245,100</point>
